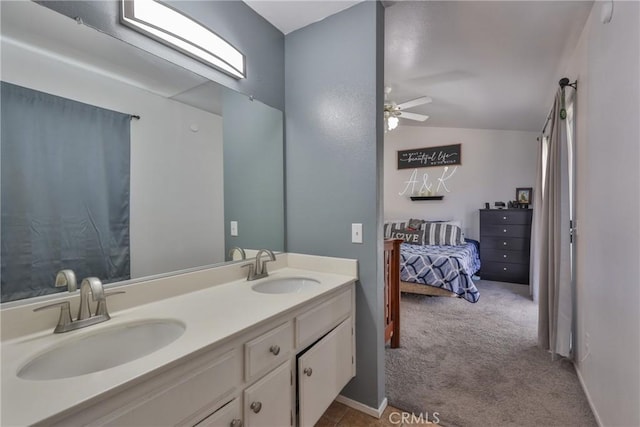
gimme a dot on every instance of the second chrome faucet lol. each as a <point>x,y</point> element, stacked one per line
<point>258,270</point>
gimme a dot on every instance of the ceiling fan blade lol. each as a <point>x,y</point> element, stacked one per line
<point>415,102</point>
<point>413,116</point>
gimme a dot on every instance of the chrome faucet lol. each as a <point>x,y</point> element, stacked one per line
<point>243,254</point>
<point>258,270</point>
<point>93,285</point>
<point>66,278</point>
<point>90,285</point>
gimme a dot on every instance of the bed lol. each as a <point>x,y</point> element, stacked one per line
<point>440,269</point>
<point>435,258</point>
<point>414,264</point>
<point>426,269</point>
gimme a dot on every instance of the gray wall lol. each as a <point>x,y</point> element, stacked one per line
<point>334,96</point>
<point>261,43</point>
<point>253,155</point>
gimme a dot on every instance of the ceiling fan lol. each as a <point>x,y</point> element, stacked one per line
<point>393,111</point>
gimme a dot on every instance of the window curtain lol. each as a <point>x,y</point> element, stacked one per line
<point>65,191</point>
<point>550,245</point>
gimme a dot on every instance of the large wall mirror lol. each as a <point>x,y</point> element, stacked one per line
<point>201,155</point>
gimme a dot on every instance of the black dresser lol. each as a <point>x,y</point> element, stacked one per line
<point>505,235</point>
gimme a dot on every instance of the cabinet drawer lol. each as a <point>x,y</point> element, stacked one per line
<point>517,257</point>
<point>501,217</point>
<point>505,272</point>
<point>315,323</point>
<point>521,231</point>
<point>507,243</point>
<point>269,401</point>
<point>228,415</point>
<point>268,350</point>
<point>182,394</point>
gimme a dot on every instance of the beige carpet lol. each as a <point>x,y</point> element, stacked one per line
<point>479,364</point>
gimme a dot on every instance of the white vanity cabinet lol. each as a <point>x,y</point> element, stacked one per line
<point>252,379</point>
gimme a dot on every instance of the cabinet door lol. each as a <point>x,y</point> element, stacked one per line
<point>323,371</point>
<point>227,416</point>
<point>268,402</point>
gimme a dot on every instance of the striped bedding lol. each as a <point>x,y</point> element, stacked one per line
<point>444,267</point>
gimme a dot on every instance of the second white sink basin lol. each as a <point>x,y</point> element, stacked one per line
<point>105,349</point>
<point>285,285</point>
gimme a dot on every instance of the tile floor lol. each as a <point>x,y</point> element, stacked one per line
<point>339,415</point>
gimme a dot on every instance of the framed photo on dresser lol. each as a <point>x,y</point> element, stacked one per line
<point>524,196</point>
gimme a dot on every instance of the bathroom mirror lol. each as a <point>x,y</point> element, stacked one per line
<point>201,155</point>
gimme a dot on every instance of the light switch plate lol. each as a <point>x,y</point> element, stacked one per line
<point>356,233</point>
<point>234,228</point>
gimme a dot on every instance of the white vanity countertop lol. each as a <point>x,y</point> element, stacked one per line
<point>211,315</point>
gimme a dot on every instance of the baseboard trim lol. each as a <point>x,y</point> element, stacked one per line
<point>362,407</point>
<point>586,393</point>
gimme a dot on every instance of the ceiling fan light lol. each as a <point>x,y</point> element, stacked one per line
<point>392,123</point>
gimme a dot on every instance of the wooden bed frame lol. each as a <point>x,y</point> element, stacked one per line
<point>392,288</point>
<point>392,292</point>
<point>416,288</point>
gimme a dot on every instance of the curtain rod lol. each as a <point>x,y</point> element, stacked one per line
<point>564,82</point>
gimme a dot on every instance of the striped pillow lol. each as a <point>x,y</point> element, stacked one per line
<point>390,227</point>
<point>442,234</point>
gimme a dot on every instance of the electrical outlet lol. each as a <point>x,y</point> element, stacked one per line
<point>356,233</point>
<point>234,228</point>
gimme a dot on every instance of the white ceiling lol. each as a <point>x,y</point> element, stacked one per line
<point>487,65</point>
<point>288,16</point>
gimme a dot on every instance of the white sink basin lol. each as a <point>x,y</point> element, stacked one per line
<point>287,285</point>
<point>105,349</point>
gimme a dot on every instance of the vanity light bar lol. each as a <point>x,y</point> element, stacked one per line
<point>176,30</point>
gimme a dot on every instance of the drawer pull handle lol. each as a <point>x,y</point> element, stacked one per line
<point>504,243</point>
<point>275,349</point>
<point>256,407</point>
<point>504,231</point>
<point>236,423</point>
<point>504,217</point>
<point>505,268</point>
<point>504,256</point>
<point>308,371</point>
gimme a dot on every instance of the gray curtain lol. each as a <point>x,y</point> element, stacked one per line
<point>550,251</point>
<point>65,191</point>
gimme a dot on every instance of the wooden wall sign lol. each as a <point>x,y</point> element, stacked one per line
<point>443,155</point>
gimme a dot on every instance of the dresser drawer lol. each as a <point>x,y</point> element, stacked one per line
<point>507,243</point>
<point>498,255</point>
<point>505,272</point>
<point>268,350</point>
<point>520,231</point>
<point>511,216</point>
